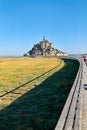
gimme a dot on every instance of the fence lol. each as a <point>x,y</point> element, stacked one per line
<point>70,114</point>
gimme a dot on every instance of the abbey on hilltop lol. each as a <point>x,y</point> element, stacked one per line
<point>44,48</point>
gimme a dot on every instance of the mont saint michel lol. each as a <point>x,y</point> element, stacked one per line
<point>44,48</point>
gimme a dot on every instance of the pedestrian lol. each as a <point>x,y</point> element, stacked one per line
<point>85,60</point>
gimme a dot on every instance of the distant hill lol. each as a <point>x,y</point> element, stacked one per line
<point>44,48</point>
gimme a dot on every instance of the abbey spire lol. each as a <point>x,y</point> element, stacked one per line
<point>43,38</point>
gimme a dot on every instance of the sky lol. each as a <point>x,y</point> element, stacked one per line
<point>23,23</point>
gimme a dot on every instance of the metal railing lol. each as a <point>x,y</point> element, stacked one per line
<point>69,117</point>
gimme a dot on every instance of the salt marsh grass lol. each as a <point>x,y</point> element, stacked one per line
<point>38,104</point>
<point>17,71</point>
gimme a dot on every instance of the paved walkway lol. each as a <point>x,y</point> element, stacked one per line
<point>84,99</point>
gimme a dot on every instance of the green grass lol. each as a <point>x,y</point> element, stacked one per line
<point>40,108</point>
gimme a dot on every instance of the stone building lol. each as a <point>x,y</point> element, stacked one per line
<point>44,48</point>
<point>45,44</point>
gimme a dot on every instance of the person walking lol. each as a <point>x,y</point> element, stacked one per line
<point>85,60</point>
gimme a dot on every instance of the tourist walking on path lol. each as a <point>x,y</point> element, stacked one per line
<point>85,60</point>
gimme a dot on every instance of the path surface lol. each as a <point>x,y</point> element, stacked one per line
<point>84,99</point>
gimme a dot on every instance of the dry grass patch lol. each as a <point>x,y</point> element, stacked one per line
<point>16,71</point>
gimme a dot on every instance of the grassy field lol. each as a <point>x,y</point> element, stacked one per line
<point>38,104</point>
<point>16,71</point>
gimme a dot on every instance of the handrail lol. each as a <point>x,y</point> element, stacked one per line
<point>67,120</point>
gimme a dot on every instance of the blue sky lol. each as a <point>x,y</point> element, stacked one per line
<point>24,22</point>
